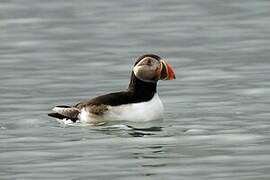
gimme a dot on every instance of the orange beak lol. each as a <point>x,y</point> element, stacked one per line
<point>166,71</point>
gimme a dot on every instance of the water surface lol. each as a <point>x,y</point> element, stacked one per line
<point>216,123</point>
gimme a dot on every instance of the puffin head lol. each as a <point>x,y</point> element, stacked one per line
<point>151,68</point>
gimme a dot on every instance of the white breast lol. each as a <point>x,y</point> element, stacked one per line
<point>137,112</point>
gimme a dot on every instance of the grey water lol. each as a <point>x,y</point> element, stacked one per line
<point>216,123</point>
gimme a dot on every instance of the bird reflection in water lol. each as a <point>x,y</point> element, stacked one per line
<point>140,132</point>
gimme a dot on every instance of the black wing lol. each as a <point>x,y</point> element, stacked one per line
<point>112,99</point>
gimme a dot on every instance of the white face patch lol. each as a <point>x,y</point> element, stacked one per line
<point>148,70</point>
<point>136,70</point>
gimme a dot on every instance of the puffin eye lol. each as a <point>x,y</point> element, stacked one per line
<point>149,62</point>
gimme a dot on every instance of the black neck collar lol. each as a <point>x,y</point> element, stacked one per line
<point>141,90</point>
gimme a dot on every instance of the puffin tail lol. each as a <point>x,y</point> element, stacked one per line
<point>65,112</point>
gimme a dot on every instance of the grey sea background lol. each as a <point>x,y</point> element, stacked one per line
<point>216,122</point>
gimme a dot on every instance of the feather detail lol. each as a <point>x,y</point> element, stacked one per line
<point>70,112</point>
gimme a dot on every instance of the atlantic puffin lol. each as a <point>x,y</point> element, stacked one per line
<point>140,102</point>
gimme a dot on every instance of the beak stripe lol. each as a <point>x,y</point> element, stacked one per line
<point>166,71</point>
